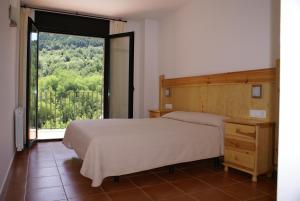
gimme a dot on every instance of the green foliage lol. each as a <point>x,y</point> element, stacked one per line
<point>33,87</point>
<point>70,79</point>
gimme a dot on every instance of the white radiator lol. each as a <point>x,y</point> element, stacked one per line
<point>19,128</point>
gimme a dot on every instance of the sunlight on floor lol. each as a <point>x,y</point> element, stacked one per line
<point>46,134</point>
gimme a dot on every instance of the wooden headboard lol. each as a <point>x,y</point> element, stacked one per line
<point>227,93</point>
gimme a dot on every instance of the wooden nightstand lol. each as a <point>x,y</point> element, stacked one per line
<point>249,146</point>
<point>158,113</point>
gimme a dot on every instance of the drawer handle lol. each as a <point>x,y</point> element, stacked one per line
<point>238,131</point>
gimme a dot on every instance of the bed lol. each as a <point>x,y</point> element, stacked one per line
<point>114,147</point>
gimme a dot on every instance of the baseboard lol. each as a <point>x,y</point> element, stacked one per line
<point>5,182</point>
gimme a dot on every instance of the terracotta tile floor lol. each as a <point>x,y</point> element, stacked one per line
<point>49,172</point>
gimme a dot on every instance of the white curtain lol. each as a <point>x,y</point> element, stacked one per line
<point>117,27</point>
<point>24,14</point>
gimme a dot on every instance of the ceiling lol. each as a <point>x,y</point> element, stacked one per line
<point>125,9</point>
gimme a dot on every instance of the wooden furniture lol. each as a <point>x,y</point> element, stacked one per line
<point>158,113</point>
<point>249,146</point>
<point>227,94</point>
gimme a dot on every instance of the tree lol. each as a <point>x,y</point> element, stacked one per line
<point>70,79</point>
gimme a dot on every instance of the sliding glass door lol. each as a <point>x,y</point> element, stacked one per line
<point>32,83</point>
<point>119,76</point>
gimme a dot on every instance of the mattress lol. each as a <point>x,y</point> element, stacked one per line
<point>116,147</point>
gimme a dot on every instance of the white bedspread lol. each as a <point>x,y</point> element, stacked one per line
<point>122,146</point>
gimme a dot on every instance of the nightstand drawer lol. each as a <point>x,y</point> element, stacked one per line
<point>239,159</point>
<point>245,131</point>
<point>239,144</point>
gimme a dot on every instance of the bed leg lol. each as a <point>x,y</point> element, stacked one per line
<point>116,179</point>
<point>172,169</point>
<point>217,162</point>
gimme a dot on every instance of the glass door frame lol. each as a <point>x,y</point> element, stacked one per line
<point>107,72</point>
<point>31,24</point>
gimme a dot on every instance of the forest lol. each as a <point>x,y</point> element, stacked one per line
<point>70,79</point>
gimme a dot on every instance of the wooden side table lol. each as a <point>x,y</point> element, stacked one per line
<point>158,113</point>
<point>248,146</point>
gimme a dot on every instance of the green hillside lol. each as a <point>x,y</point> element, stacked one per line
<point>70,79</point>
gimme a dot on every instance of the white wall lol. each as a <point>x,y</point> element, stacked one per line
<point>206,37</point>
<point>146,71</point>
<point>151,68</point>
<point>289,138</point>
<point>138,100</point>
<point>214,36</point>
<point>8,88</point>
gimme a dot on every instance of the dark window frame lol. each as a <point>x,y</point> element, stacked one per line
<point>71,24</point>
<point>30,26</point>
<point>100,31</point>
<point>107,72</point>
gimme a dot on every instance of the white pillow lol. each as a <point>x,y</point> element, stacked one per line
<point>196,117</point>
